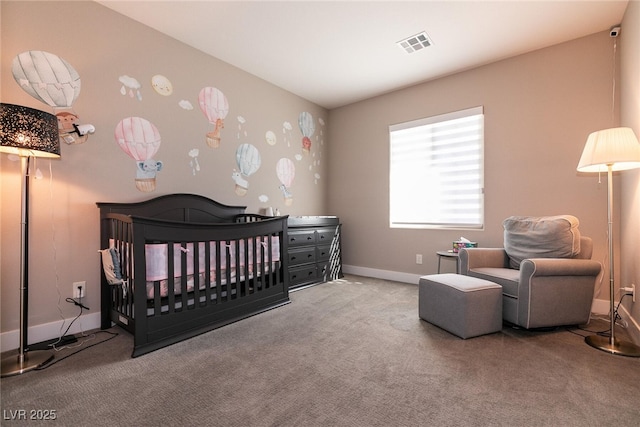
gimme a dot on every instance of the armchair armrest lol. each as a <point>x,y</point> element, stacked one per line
<point>559,267</point>
<point>555,291</point>
<point>470,258</point>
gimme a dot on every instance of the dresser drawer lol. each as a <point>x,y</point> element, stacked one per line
<point>303,237</point>
<point>323,271</point>
<point>302,274</point>
<point>302,255</point>
<point>323,252</point>
<point>325,236</point>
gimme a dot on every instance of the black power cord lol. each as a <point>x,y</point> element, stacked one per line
<point>78,303</point>
<point>113,335</point>
<point>62,336</point>
<point>605,333</point>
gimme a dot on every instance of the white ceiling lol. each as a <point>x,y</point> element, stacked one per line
<point>337,52</point>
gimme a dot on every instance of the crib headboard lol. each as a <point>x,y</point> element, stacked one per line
<point>176,207</point>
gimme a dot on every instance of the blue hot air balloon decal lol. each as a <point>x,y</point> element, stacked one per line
<point>249,161</point>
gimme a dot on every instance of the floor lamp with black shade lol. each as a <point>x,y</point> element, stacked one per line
<point>611,150</point>
<point>27,133</point>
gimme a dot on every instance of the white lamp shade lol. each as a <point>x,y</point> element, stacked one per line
<point>617,147</point>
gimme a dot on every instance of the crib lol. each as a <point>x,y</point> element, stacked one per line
<point>179,265</point>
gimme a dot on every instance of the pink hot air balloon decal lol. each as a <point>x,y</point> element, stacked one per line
<point>140,139</point>
<point>215,107</point>
<point>307,127</point>
<point>286,171</point>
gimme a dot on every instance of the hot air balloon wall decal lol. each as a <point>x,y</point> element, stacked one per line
<point>307,127</point>
<point>52,80</point>
<point>286,171</point>
<point>215,107</point>
<point>249,161</point>
<point>140,140</point>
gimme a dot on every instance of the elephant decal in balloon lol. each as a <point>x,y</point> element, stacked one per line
<point>215,107</point>
<point>140,140</point>
<point>52,80</point>
<point>307,127</point>
<point>286,171</point>
<point>249,161</point>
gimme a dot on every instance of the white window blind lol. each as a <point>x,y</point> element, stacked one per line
<point>437,172</point>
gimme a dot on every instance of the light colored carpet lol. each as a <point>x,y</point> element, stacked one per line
<point>351,352</point>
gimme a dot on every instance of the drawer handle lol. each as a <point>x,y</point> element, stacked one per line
<point>309,255</point>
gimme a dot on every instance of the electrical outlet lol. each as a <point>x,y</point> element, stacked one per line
<point>631,290</point>
<point>79,290</point>
<point>418,258</point>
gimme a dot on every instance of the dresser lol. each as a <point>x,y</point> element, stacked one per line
<point>314,250</point>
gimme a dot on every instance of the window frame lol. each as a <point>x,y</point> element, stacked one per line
<point>479,186</point>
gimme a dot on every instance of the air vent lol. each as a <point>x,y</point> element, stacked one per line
<point>415,43</point>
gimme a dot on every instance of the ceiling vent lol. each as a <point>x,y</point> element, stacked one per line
<point>415,43</point>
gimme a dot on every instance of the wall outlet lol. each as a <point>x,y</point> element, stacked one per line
<point>79,290</point>
<point>418,258</point>
<point>631,290</point>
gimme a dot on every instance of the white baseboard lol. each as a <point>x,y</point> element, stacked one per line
<point>396,276</point>
<point>600,306</point>
<point>11,339</point>
<point>633,327</point>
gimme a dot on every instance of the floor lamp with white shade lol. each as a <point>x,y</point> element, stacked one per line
<point>27,133</point>
<point>611,150</point>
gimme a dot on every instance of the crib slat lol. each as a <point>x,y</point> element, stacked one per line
<point>218,289</point>
<point>183,276</point>
<point>196,274</point>
<point>207,274</point>
<point>170,275</point>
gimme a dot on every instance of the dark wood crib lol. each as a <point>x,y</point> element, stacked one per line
<point>186,264</point>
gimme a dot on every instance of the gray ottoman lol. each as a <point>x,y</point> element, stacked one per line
<point>463,305</point>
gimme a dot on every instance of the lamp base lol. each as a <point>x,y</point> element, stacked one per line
<point>21,363</point>
<point>622,348</point>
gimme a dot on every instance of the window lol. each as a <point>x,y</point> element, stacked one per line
<point>436,171</point>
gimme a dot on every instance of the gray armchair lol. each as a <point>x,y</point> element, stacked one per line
<point>544,292</point>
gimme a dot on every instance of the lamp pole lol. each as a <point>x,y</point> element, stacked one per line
<point>25,360</point>
<point>610,344</point>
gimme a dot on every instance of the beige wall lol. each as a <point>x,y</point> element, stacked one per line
<point>539,109</point>
<point>103,45</point>
<point>630,188</point>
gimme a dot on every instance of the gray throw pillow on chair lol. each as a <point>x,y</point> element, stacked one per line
<point>540,237</point>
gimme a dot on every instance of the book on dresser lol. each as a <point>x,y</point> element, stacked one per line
<point>314,250</point>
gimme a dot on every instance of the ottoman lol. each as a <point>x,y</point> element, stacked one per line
<point>463,305</point>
